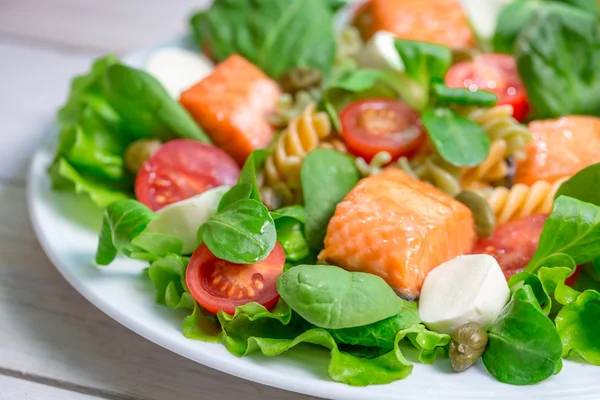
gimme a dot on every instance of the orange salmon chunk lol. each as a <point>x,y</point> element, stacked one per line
<point>399,228</point>
<point>560,148</point>
<point>434,21</point>
<point>232,105</point>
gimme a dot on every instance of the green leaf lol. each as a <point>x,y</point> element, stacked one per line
<point>551,50</point>
<point>445,96</point>
<point>157,244</point>
<point>202,325</point>
<point>122,222</point>
<point>290,234</point>
<point>248,173</point>
<point>333,298</point>
<point>457,139</point>
<point>272,34</point>
<point>64,177</point>
<point>573,228</point>
<point>167,275</point>
<point>424,63</point>
<point>241,233</point>
<point>578,325</point>
<point>327,176</point>
<point>524,347</point>
<point>241,191</point>
<point>584,185</point>
<point>145,107</point>
<point>296,212</point>
<point>381,333</point>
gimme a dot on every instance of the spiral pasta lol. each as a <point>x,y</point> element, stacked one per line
<point>499,123</point>
<point>304,134</point>
<point>431,168</point>
<point>521,200</point>
<point>334,143</point>
<point>348,44</point>
<point>493,168</point>
<point>289,107</point>
<point>375,166</point>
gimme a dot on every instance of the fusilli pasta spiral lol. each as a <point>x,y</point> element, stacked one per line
<point>289,107</point>
<point>499,123</point>
<point>304,134</point>
<point>493,168</point>
<point>348,44</point>
<point>431,168</point>
<point>334,143</point>
<point>375,166</point>
<point>521,200</point>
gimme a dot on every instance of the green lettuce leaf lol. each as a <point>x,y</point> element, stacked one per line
<point>168,276</point>
<point>578,325</point>
<point>203,326</point>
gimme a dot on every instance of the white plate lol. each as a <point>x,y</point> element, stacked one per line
<point>67,225</point>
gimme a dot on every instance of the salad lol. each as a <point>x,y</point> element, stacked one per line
<point>397,183</point>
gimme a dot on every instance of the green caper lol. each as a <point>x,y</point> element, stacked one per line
<point>485,220</point>
<point>468,344</point>
<point>297,79</point>
<point>138,152</point>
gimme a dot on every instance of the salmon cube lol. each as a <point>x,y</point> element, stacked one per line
<point>232,105</point>
<point>399,228</point>
<point>434,21</point>
<point>560,148</point>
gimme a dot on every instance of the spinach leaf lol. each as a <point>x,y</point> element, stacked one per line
<point>146,108</point>
<point>327,176</point>
<point>578,325</point>
<point>584,185</point>
<point>167,275</point>
<point>290,234</point>
<point>382,333</point>
<point>241,233</point>
<point>457,139</point>
<point>551,50</point>
<point>296,212</point>
<point>424,63</point>
<point>573,228</point>
<point>248,173</point>
<point>273,34</point>
<point>444,95</point>
<point>333,298</point>
<point>524,347</point>
<point>122,222</point>
<point>150,246</point>
<point>240,191</point>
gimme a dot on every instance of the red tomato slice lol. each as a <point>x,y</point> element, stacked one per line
<point>496,73</point>
<point>221,285</point>
<point>514,243</point>
<point>373,125</point>
<point>181,169</point>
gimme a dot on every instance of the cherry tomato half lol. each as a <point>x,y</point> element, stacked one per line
<point>514,243</point>
<point>221,285</point>
<point>181,169</point>
<point>373,125</point>
<point>496,73</point>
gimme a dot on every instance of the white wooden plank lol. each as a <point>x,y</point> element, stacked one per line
<point>34,82</point>
<point>18,389</point>
<point>48,330</point>
<point>118,26</point>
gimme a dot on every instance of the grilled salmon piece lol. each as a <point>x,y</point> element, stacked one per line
<point>399,228</point>
<point>232,105</point>
<point>436,21</point>
<point>560,148</point>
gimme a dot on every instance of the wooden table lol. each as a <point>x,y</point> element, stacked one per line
<point>53,343</point>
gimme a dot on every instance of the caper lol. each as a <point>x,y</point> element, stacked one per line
<point>297,79</point>
<point>485,220</point>
<point>468,344</point>
<point>138,152</point>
